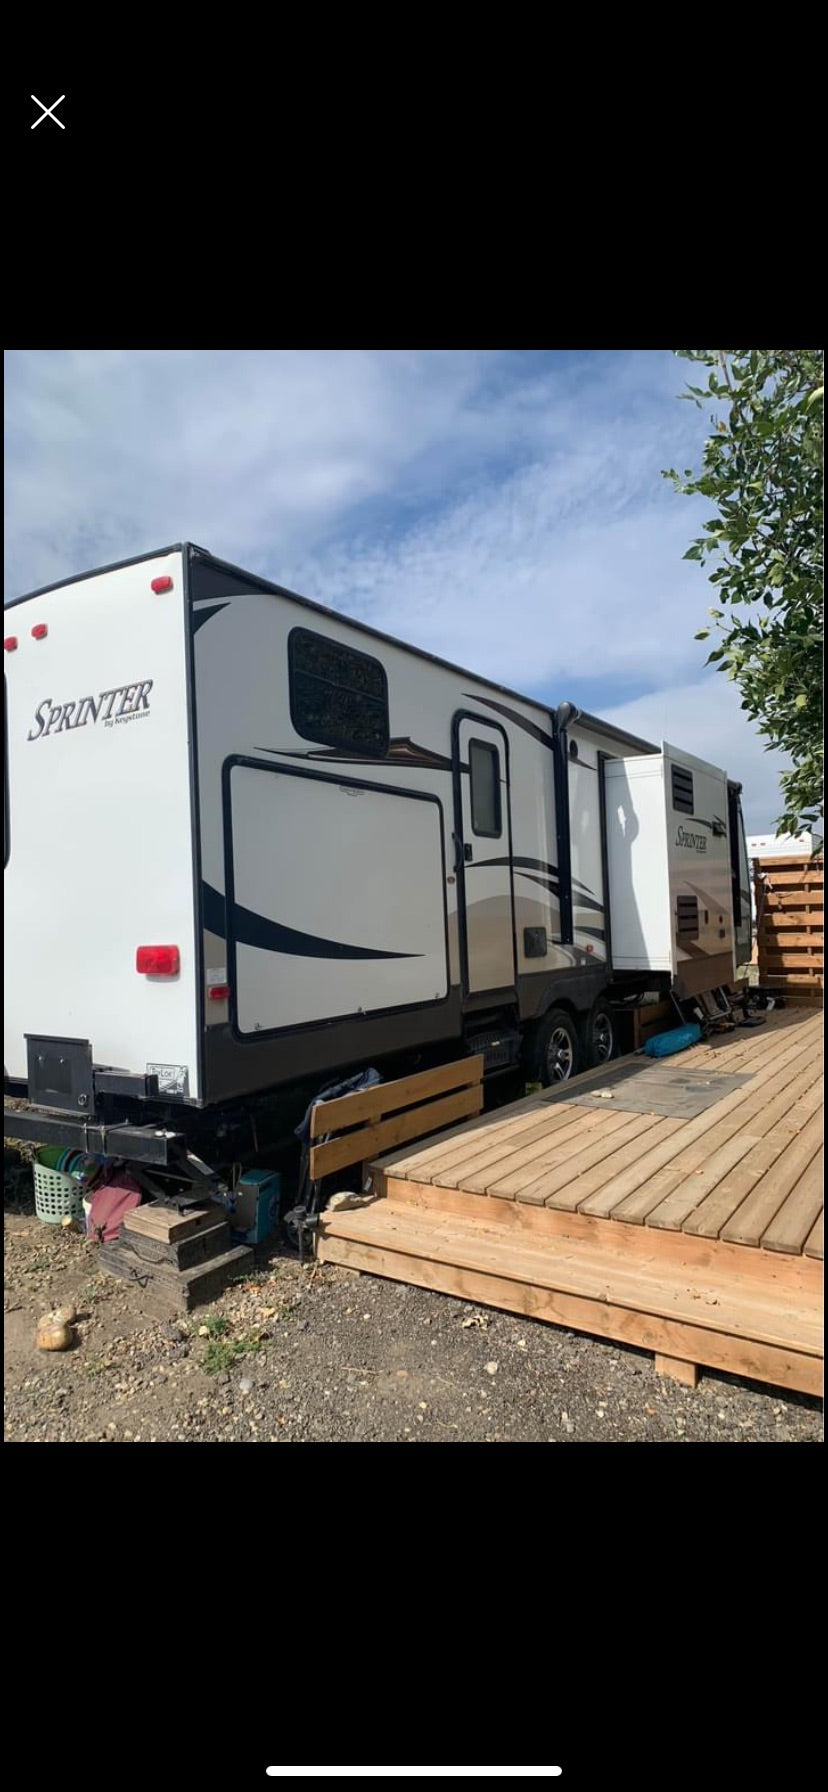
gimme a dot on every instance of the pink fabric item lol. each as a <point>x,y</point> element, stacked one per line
<point>111,1201</point>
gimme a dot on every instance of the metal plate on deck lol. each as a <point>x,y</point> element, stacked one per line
<point>654,1088</point>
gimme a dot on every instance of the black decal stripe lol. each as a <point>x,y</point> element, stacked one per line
<point>585,896</point>
<point>593,933</point>
<point>214,911</point>
<point>416,761</point>
<point>512,715</point>
<point>271,936</point>
<point>520,862</point>
<point>589,902</point>
<point>532,877</point>
<point>201,616</point>
<point>545,882</point>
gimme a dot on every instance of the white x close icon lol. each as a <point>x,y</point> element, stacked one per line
<point>47,112</point>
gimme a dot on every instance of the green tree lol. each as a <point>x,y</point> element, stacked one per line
<point>762,469</point>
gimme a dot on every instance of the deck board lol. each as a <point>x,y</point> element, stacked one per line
<point>700,1237</point>
<point>711,1129</point>
<point>727,1171</point>
<point>540,1187</point>
<point>779,1187</point>
<point>700,1187</point>
<point>743,1204</point>
<point>814,1243</point>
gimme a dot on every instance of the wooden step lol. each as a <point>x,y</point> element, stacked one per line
<point>673,1308</point>
<point>178,1253</point>
<point>172,1224</point>
<point>164,1289</point>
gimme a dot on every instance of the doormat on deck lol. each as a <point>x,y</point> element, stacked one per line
<point>672,1093</point>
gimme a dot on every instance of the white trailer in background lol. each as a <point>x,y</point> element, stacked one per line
<point>777,846</point>
<point>251,844</point>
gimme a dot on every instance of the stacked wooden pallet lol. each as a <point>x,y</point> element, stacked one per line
<point>790,912</point>
<point>179,1258</point>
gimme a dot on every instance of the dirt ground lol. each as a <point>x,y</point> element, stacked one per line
<point>304,1354</point>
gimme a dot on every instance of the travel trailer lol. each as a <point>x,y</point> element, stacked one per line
<point>252,844</point>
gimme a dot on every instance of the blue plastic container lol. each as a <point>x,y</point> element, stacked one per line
<point>253,1210</point>
<point>665,1044</point>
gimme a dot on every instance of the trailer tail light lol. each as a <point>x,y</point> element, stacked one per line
<point>40,631</point>
<point>10,643</point>
<point>218,992</point>
<point>162,584</point>
<point>158,961</point>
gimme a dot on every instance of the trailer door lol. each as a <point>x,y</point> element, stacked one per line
<point>483,835</point>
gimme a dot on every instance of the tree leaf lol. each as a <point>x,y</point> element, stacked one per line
<point>761,472</point>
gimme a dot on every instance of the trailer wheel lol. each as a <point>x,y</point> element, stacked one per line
<point>558,1049</point>
<point>600,1035</point>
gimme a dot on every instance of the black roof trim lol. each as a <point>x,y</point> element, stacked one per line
<point>176,547</point>
<point>251,578</point>
<point>594,725</point>
<point>376,634</point>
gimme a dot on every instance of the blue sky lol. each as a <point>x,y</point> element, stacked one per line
<point>503,508</point>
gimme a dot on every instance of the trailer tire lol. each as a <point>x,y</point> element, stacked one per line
<point>599,1035</point>
<point>557,1054</point>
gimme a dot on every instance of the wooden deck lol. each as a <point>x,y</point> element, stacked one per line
<point>675,1205</point>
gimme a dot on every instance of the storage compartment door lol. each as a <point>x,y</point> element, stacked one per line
<point>337,904</point>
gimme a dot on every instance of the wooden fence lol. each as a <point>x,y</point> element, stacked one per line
<point>789,919</point>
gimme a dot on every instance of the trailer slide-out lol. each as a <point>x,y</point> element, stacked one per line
<point>252,845</point>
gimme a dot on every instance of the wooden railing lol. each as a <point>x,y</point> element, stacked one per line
<point>353,1129</point>
<point>789,895</point>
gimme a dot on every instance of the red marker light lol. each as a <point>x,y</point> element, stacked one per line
<point>164,584</point>
<point>218,992</point>
<point>10,643</point>
<point>158,961</point>
<point>40,631</point>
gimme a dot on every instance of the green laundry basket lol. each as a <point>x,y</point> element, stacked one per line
<point>57,1197</point>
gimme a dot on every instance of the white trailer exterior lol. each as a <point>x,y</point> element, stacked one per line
<point>99,819</point>
<point>343,849</point>
<point>670,872</point>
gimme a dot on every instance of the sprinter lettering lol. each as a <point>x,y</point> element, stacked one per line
<point>697,842</point>
<point>121,703</point>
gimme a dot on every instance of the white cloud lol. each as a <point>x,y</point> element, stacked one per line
<point>114,453</point>
<point>561,570</point>
<point>502,508</point>
<point>705,717</point>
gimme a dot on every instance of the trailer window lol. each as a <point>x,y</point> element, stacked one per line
<point>338,698</point>
<point>682,789</point>
<point>484,778</point>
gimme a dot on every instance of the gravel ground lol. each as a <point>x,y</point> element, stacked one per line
<point>304,1354</point>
